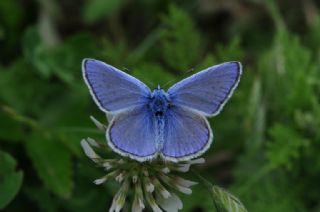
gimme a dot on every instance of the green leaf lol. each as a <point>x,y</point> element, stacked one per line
<point>61,60</point>
<point>97,9</point>
<point>11,81</point>
<point>274,192</point>
<point>226,201</point>
<point>285,146</point>
<point>12,17</point>
<point>11,13</point>
<point>34,51</point>
<point>222,199</point>
<point>181,43</point>
<point>52,162</point>
<point>153,74</point>
<point>232,51</point>
<point>208,60</point>
<point>9,129</point>
<point>42,198</point>
<point>281,65</point>
<point>198,199</point>
<point>144,50</point>
<point>114,52</point>
<point>10,180</point>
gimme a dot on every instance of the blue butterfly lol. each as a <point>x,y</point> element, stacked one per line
<point>148,123</point>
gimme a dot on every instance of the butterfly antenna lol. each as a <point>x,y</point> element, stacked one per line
<point>126,69</point>
<point>191,70</point>
<point>167,83</point>
<point>149,83</point>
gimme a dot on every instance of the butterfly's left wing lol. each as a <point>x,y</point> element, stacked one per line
<point>113,90</point>
<point>186,134</point>
<point>208,90</point>
<point>132,133</point>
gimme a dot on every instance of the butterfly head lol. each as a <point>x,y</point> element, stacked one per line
<point>159,101</point>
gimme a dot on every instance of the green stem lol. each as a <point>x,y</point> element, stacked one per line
<point>207,184</point>
<point>19,117</point>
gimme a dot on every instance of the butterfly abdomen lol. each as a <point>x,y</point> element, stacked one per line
<point>159,126</point>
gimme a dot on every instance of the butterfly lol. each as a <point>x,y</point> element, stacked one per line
<point>172,124</point>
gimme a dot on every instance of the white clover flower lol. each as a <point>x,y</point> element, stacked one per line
<point>184,182</point>
<point>185,166</point>
<point>120,197</point>
<point>120,177</point>
<point>137,204</point>
<point>172,204</point>
<point>100,126</point>
<point>154,183</point>
<point>107,165</point>
<point>88,150</point>
<point>165,170</point>
<point>100,180</point>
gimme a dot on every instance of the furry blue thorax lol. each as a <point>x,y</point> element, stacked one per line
<point>159,102</point>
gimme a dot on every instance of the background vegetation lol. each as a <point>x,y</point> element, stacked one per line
<point>267,139</point>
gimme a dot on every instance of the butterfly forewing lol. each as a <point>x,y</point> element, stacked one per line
<point>112,89</point>
<point>208,90</point>
<point>186,134</point>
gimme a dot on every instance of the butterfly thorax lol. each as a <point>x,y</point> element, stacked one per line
<point>159,102</point>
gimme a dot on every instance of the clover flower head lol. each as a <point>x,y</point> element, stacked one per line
<point>155,184</point>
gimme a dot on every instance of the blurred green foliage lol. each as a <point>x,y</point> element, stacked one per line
<point>10,180</point>
<point>267,139</point>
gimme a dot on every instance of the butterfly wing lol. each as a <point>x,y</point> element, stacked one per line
<point>132,133</point>
<point>186,135</point>
<point>208,90</point>
<point>112,89</point>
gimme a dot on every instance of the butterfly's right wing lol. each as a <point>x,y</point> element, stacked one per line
<point>113,90</point>
<point>186,134</point>
<point>132,133</point>
<point>207,91</point>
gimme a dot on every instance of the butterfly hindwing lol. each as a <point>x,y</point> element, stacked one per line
<point>208,90</point>
<point>113,90</point>
<point>132,133</point>
<point>186,134</point>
